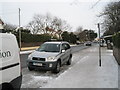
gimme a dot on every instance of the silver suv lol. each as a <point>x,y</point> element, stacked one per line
<point>50,56</point>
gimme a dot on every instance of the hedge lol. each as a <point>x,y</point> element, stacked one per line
<point>28,38</point>
<point>116,40</point>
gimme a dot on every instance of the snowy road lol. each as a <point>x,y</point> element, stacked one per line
<point>82,62</point>
<point>37,79</point>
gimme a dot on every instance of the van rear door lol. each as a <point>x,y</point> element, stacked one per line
<point>9,58</point>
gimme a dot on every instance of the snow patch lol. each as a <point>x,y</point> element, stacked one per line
<point>26,52</point>
<point>83,59</point>
<point>37,81</point>
<point>42,77</point>
<point>109,51</point>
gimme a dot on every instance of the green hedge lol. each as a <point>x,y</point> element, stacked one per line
<point>28,38</point>
<point>116,40</point>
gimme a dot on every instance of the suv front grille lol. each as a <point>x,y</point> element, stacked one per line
<point>39,59</point>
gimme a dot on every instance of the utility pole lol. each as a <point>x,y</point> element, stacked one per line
<point>99,45</point>
<point>19,31</point>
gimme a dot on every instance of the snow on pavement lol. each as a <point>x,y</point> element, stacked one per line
<point>35,81</point>
<point>84,72</point>
<point>26,52</point>
<point>87,73</point>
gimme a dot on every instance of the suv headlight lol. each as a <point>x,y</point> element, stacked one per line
<point>50,59</point>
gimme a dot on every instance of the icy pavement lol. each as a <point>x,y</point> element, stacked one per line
<point>86,73</point>
<point>37,79</point>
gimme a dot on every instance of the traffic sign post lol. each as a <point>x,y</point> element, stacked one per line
<point>99,45</point>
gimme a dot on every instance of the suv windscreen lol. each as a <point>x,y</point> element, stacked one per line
<point>49,48</point>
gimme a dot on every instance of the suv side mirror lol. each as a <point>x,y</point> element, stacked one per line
<point>63,51</point>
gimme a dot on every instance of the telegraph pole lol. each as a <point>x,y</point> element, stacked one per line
<point>99,45</point>
<point>19,30</point>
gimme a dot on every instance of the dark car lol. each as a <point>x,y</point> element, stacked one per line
<point>88,43</point>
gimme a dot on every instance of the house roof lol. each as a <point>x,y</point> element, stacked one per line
<point>1,24</point>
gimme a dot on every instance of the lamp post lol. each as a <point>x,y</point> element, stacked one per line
<point>19,31</point>
<point>99,45</point>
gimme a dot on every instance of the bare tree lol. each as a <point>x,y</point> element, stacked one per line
<point>40,24</point>
<point>60,25</point>
<point>47,24</point>
<point>36,25</point>
<point>79,30</point>
<point>111,16</point>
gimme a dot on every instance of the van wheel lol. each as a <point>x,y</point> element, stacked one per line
<point>6,86</point>
<point>57,68</point>
<point>69,61</point>
<point>30,69</point>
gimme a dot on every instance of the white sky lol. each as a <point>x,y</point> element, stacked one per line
<point>75,12</point>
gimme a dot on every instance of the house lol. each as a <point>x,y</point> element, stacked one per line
<point>1,24</point>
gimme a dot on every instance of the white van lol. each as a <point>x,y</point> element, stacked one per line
<point>10,68</point>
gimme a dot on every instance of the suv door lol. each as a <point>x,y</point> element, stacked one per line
<point>66,54</point>
<point>63,56</point>
<point>67,51</point>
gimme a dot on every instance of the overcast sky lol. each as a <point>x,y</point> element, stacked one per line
<point>75,12</point>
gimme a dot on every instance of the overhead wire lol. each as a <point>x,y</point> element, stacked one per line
<point>95,4</point>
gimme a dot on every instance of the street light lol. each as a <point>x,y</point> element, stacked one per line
<point>19,30</point>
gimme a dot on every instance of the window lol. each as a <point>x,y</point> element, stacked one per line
<point>49,48</point>
<point>65,46</point>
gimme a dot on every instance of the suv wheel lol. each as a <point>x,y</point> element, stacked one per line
<point>57,68</point>
<point>69,61</point>
<point>30,69</point>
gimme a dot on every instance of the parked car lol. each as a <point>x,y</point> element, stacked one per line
<point>109,45</point>
<point>88,43</point>
<point>10,68</point>
<point>77,42</point>
<point>50,56</point>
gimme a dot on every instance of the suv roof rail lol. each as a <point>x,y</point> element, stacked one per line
<point>54,40</point>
